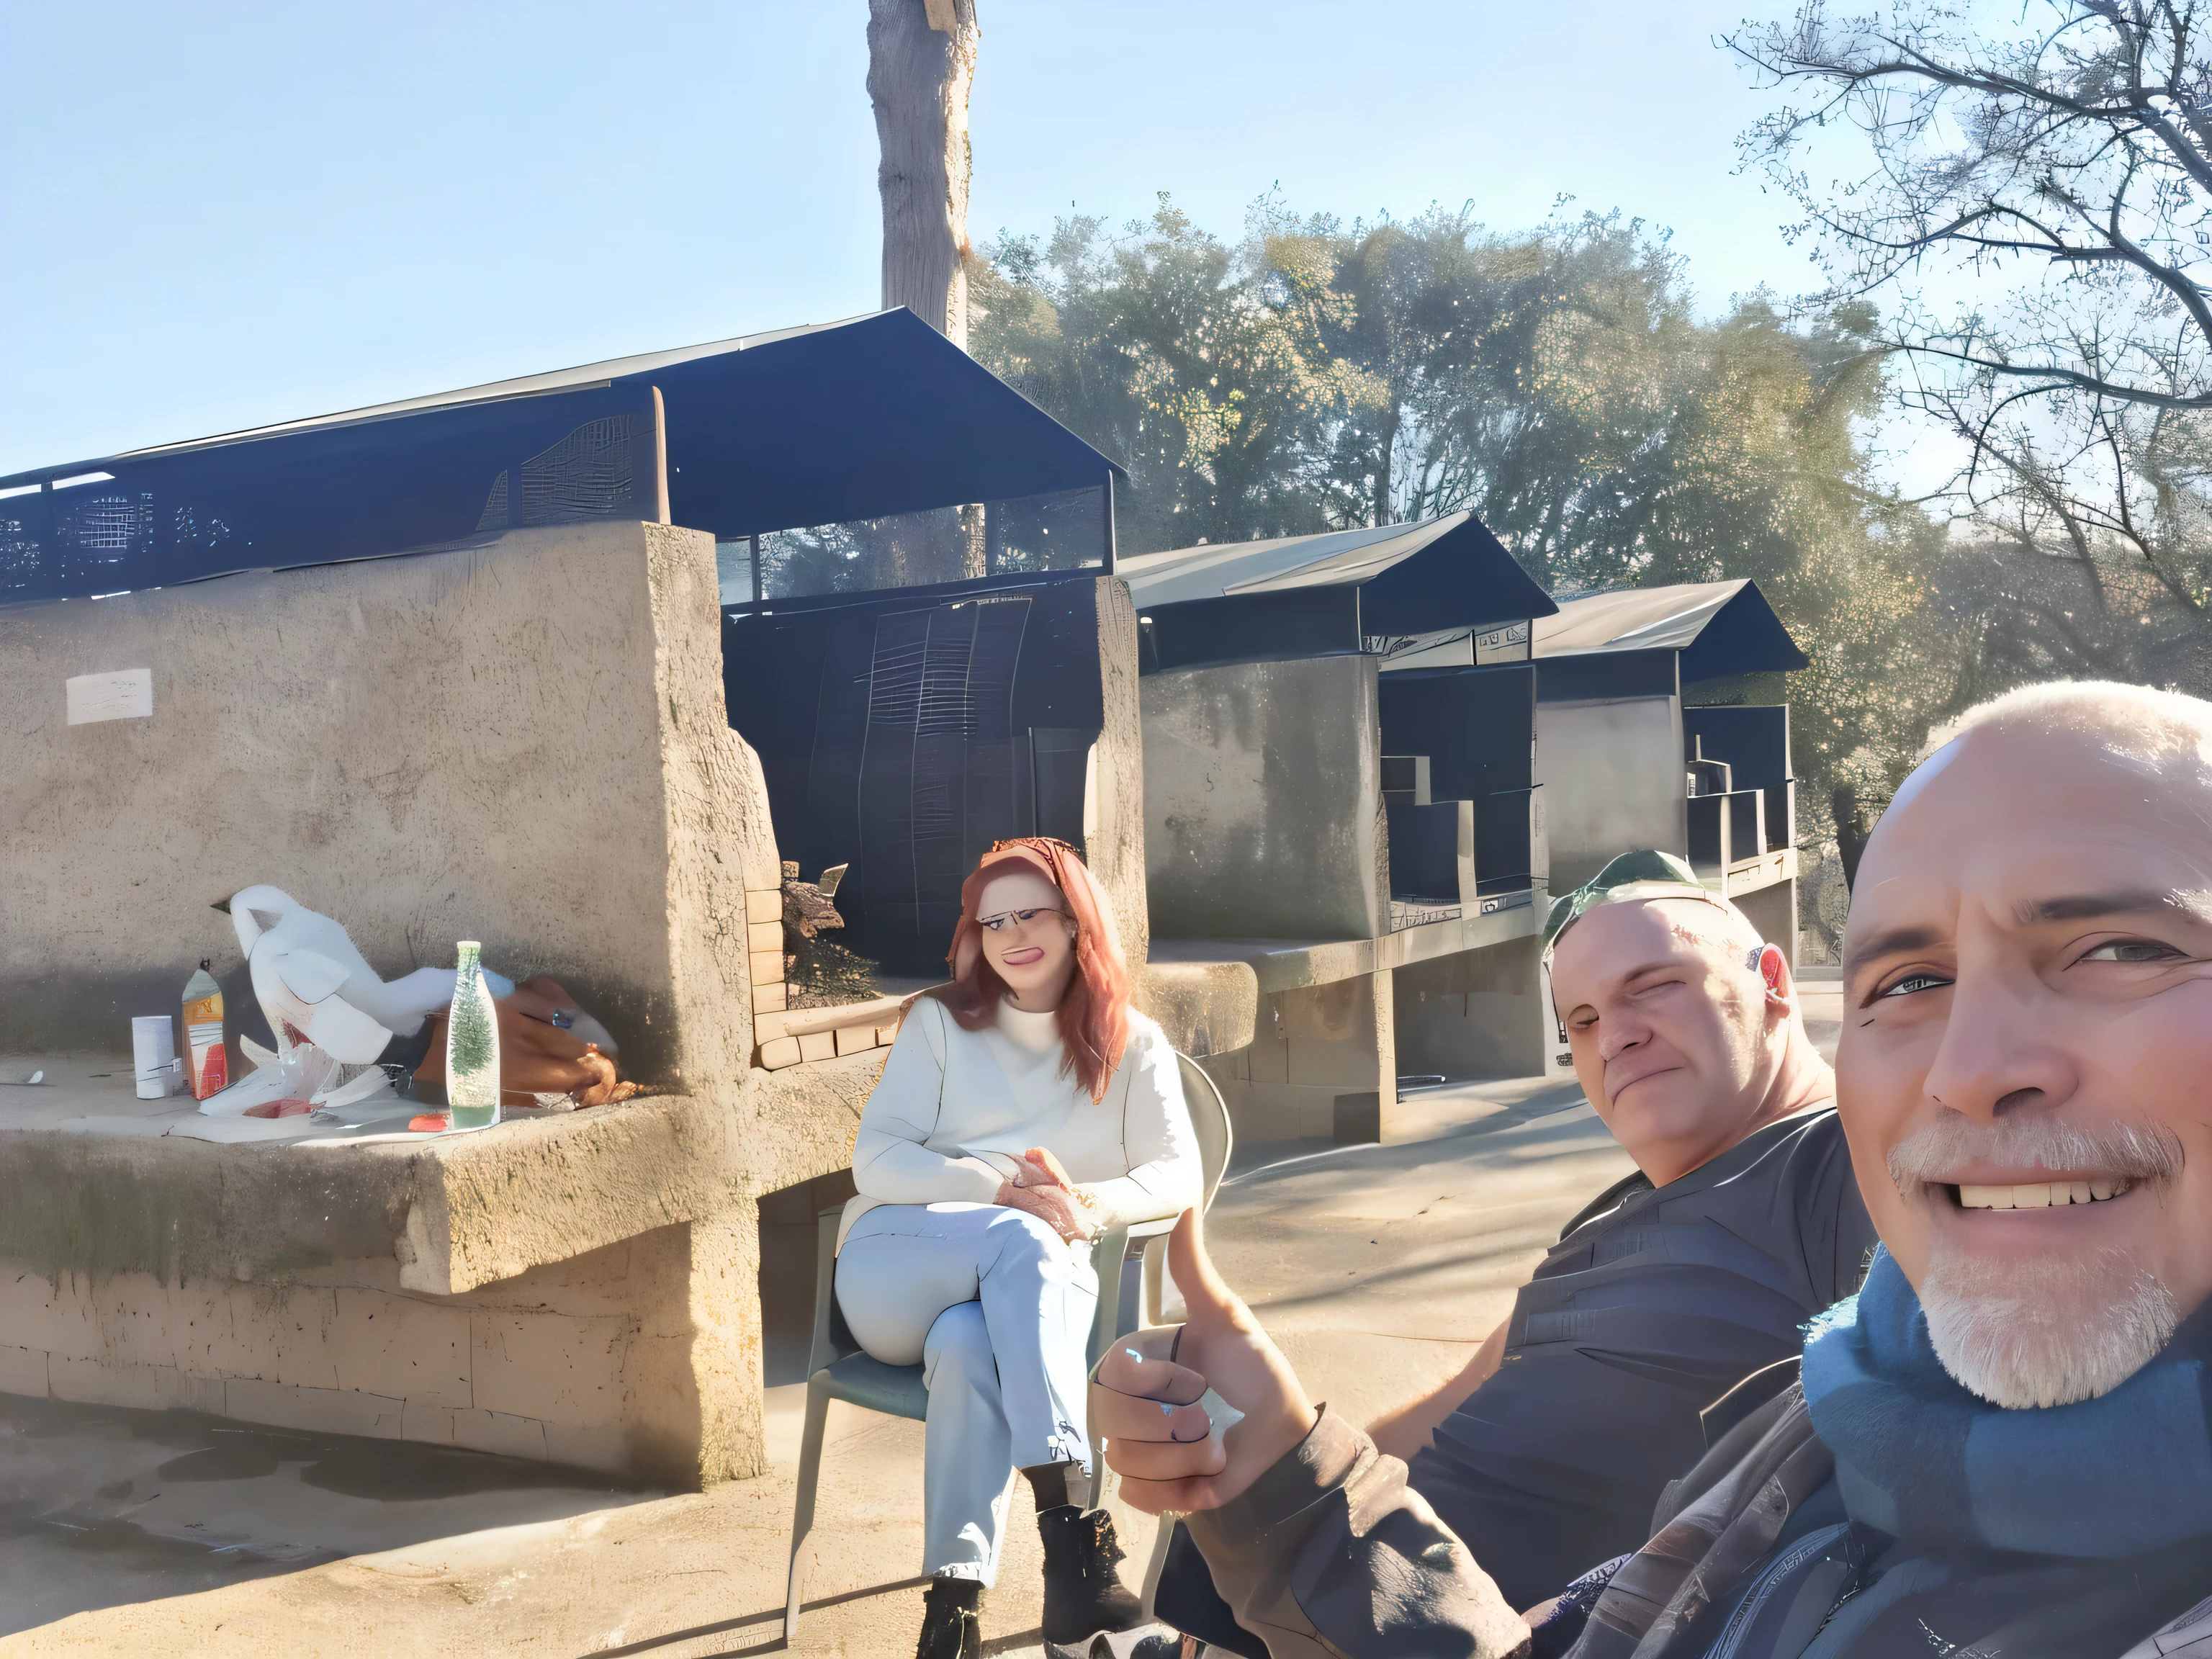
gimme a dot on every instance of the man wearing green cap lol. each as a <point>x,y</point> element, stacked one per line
<point>1673,1286</point>
<point>1549,1452</point>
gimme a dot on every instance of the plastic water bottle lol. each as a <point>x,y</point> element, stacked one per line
<point>207,1062</point>
<point>473,1045</point>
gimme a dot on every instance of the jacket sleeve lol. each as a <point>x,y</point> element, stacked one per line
<point>1330,1555</point>
<point>1156,1138</point>
<point>890,1163</point>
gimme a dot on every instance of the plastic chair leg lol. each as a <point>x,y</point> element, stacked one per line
<point>802,1522</point>
<point>1155,1563</point>
<point>1155,1299</point>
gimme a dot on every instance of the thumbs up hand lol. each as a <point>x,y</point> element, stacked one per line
<point>1144,1397</point>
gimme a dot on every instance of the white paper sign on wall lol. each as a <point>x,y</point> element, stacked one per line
<point>125,694</point>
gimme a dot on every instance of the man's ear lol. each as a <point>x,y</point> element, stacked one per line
<point>1773,970</point>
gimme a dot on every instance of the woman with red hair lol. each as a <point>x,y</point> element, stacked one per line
<point>1024,1107</point>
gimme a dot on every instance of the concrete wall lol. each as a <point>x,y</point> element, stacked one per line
<point>1263,810</point>
<point>1475,1014</point>
<point>1774,911</point>
<point>1113,819</point>
<point>524,744</point>
<point>1206,1008</point>
<point>585,1362</point>
<point>1323,1065</point>
<point>1612,777</point>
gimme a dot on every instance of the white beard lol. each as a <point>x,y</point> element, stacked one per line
<point>2046,1332</point>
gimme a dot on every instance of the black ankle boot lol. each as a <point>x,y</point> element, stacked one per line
<point>1083,1596</point>
<point>949,1627</point>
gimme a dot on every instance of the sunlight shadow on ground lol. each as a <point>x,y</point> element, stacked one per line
<point>100,1505</point>
<point>774,1614</point>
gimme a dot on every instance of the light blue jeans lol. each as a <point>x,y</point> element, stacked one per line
<point>999,1310</point>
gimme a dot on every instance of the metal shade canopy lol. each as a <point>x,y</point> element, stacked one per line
<point>1719,628</point>
<point>1447,572</point>
<point>862,419</point>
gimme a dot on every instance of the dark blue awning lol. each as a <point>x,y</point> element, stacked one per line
<point>857,420</point>
<point>863,419</point>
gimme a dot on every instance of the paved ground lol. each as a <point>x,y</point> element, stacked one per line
<point>1379,1267</point>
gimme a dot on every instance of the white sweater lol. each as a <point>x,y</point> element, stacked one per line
<point>955,1109</point>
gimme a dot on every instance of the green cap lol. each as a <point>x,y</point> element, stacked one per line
<point>1649,874</point>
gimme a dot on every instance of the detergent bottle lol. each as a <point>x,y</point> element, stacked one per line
<point>207,1063</point>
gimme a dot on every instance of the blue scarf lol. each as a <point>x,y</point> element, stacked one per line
<point>1950,1474</point>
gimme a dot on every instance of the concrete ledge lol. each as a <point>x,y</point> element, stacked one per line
<point>1205,1007</point>
<point>799,1036</point>
<point>454,1212</point>
<point>1750,875</point>
<point>1279,964</point>
<point>800,1022</point>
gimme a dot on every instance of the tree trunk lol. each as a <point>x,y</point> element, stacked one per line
<point>921,62</point>
<point>1850,834</point>
<point>1387,450</point>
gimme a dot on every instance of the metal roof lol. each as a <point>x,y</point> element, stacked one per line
<point>1463,574</point>
<point>1721,628</point>
<point>867,418</point>
<point>896,340</point>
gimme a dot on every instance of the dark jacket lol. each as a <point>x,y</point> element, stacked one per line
<point>1654,1304</point>
<point>1330,1553</point>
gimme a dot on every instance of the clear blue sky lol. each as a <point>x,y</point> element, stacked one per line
<point>222,212</point>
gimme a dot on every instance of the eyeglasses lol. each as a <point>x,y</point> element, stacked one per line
<point>1017,920</point>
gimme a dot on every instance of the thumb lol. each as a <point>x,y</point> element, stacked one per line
<point>1204,1289</point>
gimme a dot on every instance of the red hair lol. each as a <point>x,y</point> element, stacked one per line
<point>1094,1016</point>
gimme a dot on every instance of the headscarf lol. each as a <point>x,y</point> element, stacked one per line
<point>1093,1018</point>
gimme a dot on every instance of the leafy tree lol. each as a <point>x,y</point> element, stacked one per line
<point>2054,164</point>
<point>1557,383</point>
<point>1166,348</point>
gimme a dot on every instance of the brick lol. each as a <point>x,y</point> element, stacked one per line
<point>23,1370</point>
<point>551,1368</point>
<point>37,1313</point>
<point>129,1311</point>
<point>764,905</point>
<point>767,967</point>
<point>607,1449</point>
<point>330,1411</point>
<point>818,1045</point>
<point>300,1329</point>
<point>885,1035</point>
<point>432,1425</point>
<point>395,1345</point>
<point>144,1387</point>
<point>784,1051</point>
<point>500,1433</point>
<point>769,999</point>
<point>851,1039</point>
<point>764,936</point>
<point>766,1028</point>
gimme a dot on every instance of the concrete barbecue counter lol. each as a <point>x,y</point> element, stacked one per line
<point>522,741</point>
<point>575,1289</point>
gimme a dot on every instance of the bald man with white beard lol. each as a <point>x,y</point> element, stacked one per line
<point>2000,1446</point>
